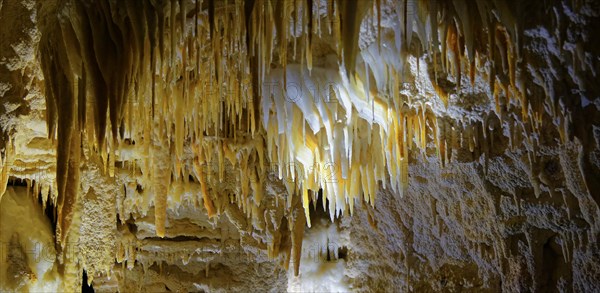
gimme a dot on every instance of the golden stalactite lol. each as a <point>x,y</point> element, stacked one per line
<point>213,77</point>
<point>6,162</point>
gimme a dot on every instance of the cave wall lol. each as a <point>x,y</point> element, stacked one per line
<point>461,228</point>
<point>497,217</point>
<point>510,203</point>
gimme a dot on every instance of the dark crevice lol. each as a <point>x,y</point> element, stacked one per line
<point>12,181</point>
<point>343,252</point>
<point>553,266</point>
<point>131,225</point>
<point>49,211</point>
<point>318,211</point>
<point>84,284</point>
<point>139,188</point>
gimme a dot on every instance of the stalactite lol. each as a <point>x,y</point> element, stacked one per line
<point>297,230</point>
<point>352,12</point>
<point>453,45</point>
<point>208,204</point>
<point>66,203</point>
<point>209,92</point>
<point>161,175</point>
<point>6,163</point>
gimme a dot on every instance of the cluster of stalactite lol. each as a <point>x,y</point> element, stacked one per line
<point>166,76</point>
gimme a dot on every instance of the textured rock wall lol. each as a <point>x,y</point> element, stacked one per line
<point>514,217</point>
<point>460,228</point>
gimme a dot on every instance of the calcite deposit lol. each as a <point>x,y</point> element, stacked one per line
<point>299,145</point>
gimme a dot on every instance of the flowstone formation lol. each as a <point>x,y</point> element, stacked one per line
<point>300,145</point>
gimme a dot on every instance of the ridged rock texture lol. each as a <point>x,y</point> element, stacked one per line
<point>299,145</point>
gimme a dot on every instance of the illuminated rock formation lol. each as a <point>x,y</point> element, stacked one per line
<point>191,145</point>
